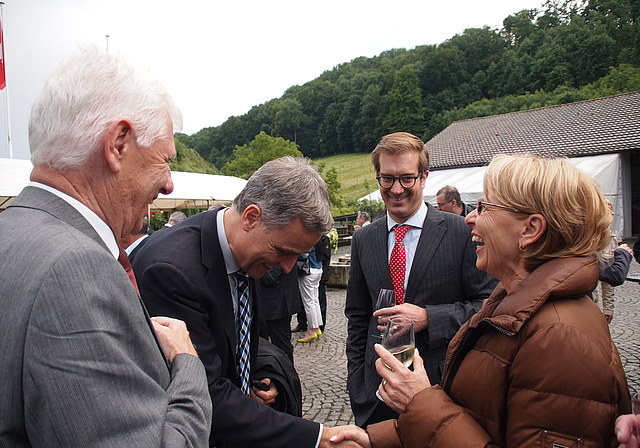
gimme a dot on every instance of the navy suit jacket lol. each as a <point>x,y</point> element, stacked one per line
<point>443,278</point>
<point>181,274</point>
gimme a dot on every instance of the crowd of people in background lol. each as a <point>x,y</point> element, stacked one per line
<point>114,336</point>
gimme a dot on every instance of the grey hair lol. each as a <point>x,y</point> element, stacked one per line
<point>84,95</point>
<point>286,189</point>
<point>177,217</point>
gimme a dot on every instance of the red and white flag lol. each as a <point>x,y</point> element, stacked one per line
<point>3,79</point>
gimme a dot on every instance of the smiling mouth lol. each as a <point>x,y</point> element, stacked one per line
<point>398,199</point>
<point>476,239</point>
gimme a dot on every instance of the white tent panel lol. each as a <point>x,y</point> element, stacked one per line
<point>191,190</point>
<point>195,190</point>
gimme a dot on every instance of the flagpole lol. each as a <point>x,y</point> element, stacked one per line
<point>6,89</point>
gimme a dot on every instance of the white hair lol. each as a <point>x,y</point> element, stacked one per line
<point>84,95</point>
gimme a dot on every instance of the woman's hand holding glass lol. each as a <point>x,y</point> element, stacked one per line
<point>399,384</point>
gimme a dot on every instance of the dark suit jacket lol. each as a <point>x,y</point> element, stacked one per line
<point>79,362</point>
<point>278,294</point>
<point>134,252</point>
<point>443,278</point>
<point>181,273</point>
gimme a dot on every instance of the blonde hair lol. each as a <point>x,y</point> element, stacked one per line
<point>399,143</point>
<point>572,203</point>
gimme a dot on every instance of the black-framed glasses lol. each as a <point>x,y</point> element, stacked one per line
<point>483,204</point>
<point>405,181</point>
<point>440,205</point>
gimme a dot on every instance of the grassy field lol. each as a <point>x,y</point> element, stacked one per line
<point>355,174</point>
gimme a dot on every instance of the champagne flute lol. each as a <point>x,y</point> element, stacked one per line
<point>399,339</point>
<point>386,299</point>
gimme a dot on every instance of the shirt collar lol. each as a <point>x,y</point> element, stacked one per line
<point>101,227</point>
<point>416,220</point>
<point>229,260</point>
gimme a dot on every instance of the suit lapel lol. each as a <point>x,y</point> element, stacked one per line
<point>430,239</point>
<point>217,278</point>
<point>381,255</point>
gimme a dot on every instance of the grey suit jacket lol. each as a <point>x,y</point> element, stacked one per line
<point>443,278</point>
<point>79,363</point>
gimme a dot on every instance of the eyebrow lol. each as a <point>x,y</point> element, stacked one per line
<point>284,251</point>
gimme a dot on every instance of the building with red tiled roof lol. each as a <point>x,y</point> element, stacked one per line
<point>583,129</point>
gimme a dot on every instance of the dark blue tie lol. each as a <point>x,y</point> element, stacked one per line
<point>244,335</point>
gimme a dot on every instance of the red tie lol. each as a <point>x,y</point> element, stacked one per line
<point>124,261</point>
<point>398,263</point>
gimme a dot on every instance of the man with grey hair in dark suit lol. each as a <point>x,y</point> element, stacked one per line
<point>424,255</point>
<point>203,272</point>
<point>81,362</point>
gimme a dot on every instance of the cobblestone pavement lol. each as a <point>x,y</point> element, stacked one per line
<point>322,365</point>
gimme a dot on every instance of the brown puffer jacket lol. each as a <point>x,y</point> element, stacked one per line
<point>534,368</point>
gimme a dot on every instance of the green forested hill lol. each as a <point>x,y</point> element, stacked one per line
<point>567,51</point>
<point>552,53</point>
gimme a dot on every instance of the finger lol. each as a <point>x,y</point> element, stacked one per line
<point>384,312</point>
<point>623,430</point>
<point>387,357</point>
<point>418,362</point>
<point>389,362</point>
<point>162,320</point>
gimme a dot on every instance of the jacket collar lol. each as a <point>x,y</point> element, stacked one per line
<point>560,277</point>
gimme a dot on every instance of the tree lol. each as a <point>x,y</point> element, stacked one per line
<point>370,119</point>
<point>405,103</point>
<point>189,160</point>
<point>333,185</point>
<point>246,159</point>
<point>288,118</point>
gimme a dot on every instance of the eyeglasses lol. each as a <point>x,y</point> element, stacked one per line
<point>482,205</point>
<point>405,181</point>
<point>440,205</point>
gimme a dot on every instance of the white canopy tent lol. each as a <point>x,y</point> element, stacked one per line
<point>191,190</point>
<point>605,169</point>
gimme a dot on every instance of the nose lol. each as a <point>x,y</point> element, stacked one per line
<point>168,186</point>
<point>397,187</point>
<point>470,219</point>
<point>288,263</point>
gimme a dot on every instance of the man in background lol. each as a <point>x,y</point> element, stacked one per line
<point>428,259</point>
<point>362,220</point>
<point>81,363</point>
<point>174,219</point>
<point>448,199</point>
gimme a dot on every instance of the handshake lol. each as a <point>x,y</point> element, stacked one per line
<point>345,436</point>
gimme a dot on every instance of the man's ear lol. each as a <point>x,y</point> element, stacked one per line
<point>117,142</point>
<point>535,226</point>
<point>251,217</point>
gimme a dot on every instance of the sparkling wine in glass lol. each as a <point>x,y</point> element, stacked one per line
<point>386,299</point>
<point>399,339</point>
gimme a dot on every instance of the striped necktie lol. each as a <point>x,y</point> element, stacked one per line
<point>244,327</point>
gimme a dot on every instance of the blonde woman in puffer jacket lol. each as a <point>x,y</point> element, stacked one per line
<point>536,366</point>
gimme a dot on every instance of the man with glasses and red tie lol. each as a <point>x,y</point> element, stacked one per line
<point>426,256</point>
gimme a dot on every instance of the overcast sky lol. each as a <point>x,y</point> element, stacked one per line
<point>220,58</point>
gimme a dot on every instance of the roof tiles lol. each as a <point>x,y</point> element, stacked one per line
<point>600,126</point>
